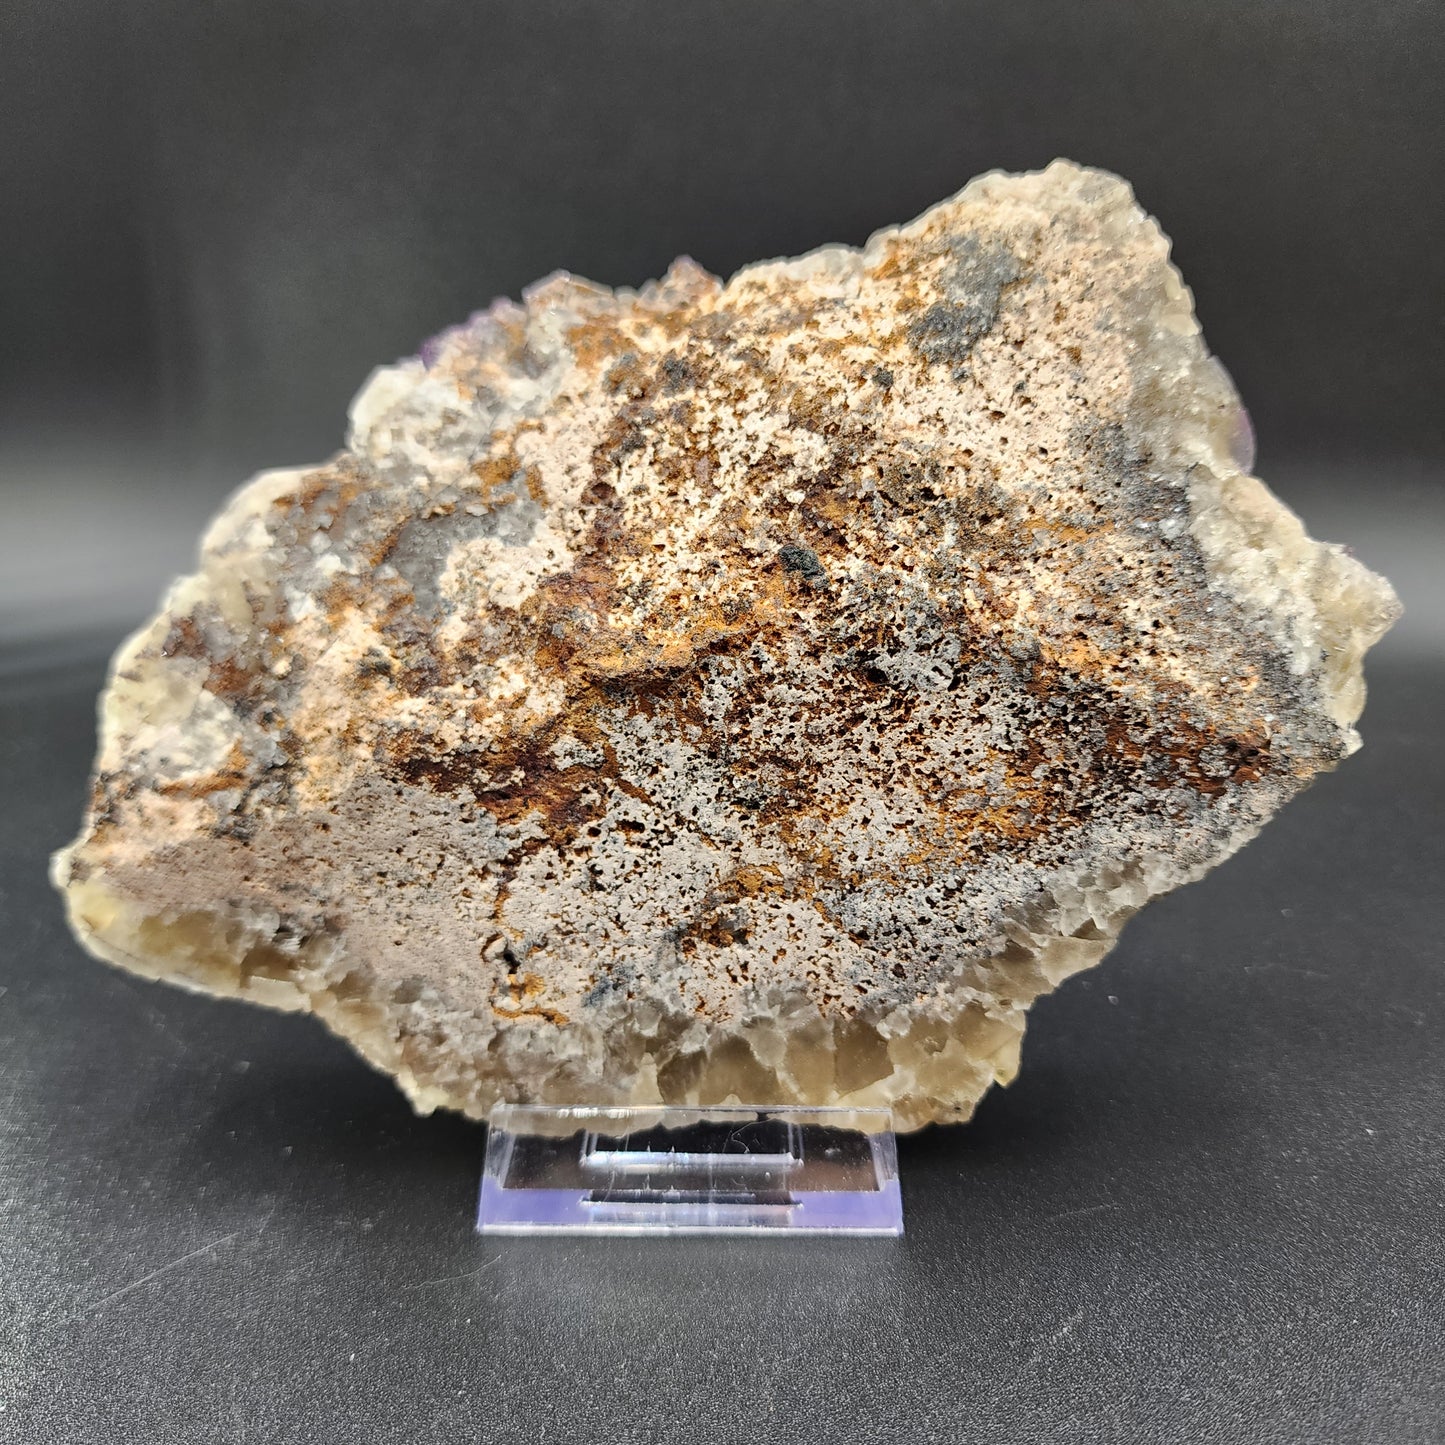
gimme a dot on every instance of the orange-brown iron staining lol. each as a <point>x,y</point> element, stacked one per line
<point>757,691</point>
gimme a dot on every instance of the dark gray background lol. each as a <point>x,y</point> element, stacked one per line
<point>1210,1209</point>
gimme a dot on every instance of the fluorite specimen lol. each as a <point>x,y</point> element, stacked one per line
<point>759,691</point>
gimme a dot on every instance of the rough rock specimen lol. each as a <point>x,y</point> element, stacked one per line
<point>758,691</point>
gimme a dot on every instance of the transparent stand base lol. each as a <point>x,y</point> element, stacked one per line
<point>723,1170</point>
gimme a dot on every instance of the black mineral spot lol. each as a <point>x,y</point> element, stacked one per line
<point>803,560</point>
<point>948,330</point>
<point>633,440</point>
<point>608,984</point>
<point>676,373</point>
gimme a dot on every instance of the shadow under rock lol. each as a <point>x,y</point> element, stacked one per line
<point>1098,1116</point>
<point>337,1132</point>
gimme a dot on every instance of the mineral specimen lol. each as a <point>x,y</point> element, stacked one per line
<point>759,691</point>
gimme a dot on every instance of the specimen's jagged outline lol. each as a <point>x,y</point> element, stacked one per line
<point>759,691</point>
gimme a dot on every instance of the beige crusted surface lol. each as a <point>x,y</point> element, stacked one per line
<point>758,691</point>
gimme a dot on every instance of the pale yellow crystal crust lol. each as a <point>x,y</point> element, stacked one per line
<point>759,691</point>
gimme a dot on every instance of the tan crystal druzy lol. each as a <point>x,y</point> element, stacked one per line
<point>757,692</point>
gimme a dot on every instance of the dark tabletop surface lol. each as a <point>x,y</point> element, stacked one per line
<point>1210,1209</point>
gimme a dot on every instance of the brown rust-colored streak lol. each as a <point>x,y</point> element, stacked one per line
<point>228,677</point>
<point>596,342</point>
<point>329,488</point>
<point>587,631</point>
<point>722,920</point>
<point>1046,797</point>
<point>108,792</point>
<point>516,779</point>
<point>556,796</point>
<point>535,1011</point>
<point>234,775</point>
<point>523,994</point>
<point>184,639</point>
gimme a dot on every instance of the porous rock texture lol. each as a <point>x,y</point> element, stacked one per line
<point>756,692</point>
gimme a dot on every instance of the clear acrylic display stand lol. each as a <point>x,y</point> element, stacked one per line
<point>663,1170</point>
